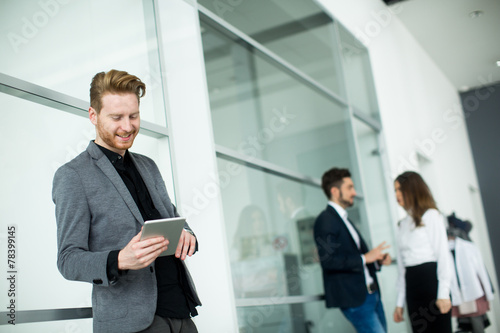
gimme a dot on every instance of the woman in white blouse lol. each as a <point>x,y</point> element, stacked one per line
<point>423,259</point>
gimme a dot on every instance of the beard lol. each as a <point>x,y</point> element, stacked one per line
<point>345,202</point>
<point>113,141</point>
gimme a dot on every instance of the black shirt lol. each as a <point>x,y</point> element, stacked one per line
<point>174,297</point>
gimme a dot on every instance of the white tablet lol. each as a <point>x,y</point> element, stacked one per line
<point>170,228</point>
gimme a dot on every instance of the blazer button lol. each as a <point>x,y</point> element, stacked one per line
<point>97,281</point>
<point>151,269</point>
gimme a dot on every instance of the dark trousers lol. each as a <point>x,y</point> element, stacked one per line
<point>421,292</point>
<point>171,325</point>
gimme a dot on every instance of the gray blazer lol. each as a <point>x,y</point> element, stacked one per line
<point>96,214</point>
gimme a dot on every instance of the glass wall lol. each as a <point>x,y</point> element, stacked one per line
<point>269,235</point>
<point>358,78</point>
<point>60,44</point>
<point>265,113</point>
<point>284,86</point>
<point>297,31</point>
<point>51,51</point>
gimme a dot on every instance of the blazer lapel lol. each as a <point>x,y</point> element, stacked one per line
<point>342,223</point>
<point>109,170</point>
<point>362,244</point>
<point>150,185</point>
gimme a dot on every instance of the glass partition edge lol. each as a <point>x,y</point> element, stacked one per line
<point>255,163</point>
<point>262,301</point>
<point>48,97</point>
<point>32,316</point>
<point>225,28</point>
<point>367,119</point>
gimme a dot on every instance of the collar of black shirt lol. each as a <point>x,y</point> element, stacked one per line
<point>116,159</point>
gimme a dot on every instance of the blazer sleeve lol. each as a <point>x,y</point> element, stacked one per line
<point>335,252</point>
<point>74,259</point>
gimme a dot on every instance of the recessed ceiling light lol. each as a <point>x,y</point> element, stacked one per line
<point>498,63</point>
<point>476,14</point>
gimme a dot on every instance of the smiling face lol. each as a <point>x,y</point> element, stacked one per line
<point>118,123</point>
<point>399,194</point>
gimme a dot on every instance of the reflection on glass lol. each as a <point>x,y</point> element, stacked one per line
<point>272,318</point>
<point>252,239</point>
<point>269,230</point>
<point>358,74</point>
<point>311,317</point>
<point>263,112</point>
<point>298,31</point>
<point>61,45</point>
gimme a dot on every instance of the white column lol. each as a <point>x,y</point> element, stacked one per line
<point>194,161</point>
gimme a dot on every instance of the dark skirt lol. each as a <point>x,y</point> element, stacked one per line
<point>421,292</point>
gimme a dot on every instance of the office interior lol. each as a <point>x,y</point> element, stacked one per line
<point>247,104</point>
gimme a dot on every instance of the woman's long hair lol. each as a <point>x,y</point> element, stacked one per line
<point>416,195</point>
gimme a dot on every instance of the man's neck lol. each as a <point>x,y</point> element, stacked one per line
<point>339,203</point>
<point>116,151</point>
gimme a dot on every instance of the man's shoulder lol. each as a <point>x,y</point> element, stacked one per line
<point>77,162</point>
<point>330,212</point>
<point>327,215</point>
<point>142,158</point>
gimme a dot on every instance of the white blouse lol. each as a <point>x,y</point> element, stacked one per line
<point>427,243</point>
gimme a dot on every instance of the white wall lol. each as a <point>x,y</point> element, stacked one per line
<point>420,114</point>
<point>194,162</point>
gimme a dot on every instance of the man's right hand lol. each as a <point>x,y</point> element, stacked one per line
<point>139,254</point>
<point>376,253</point>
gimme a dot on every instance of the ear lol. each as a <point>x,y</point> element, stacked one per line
<point>334,192</point>
<point>93,116</point>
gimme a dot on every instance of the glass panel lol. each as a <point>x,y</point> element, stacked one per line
<point>374,186</point>
<point>358,74</point>
<point>60,45</point>
<point>263,112</point>
<point>40,140</point>
<point>269,227</point>
<point>298,31</point>
<point>310,317</point>
<point>380,221</point>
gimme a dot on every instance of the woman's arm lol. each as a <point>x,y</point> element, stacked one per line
<point>435,226</point>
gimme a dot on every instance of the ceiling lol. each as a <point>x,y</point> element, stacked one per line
<point>465,46</point>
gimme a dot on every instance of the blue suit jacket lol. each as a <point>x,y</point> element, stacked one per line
<point>343,272</point>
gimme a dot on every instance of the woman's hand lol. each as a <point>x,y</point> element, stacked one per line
<point>444,305</point>
<point>398,315</point>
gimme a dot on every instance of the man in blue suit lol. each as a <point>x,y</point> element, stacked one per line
<point>349,277</point>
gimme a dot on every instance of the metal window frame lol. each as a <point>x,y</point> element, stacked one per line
<point>44,96</point>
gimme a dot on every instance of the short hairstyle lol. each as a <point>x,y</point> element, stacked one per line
<point>416,195</point>
<point>114,82</point>
<point>333,178</point>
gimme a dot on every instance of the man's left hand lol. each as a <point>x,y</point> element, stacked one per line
<point>186,246</point>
